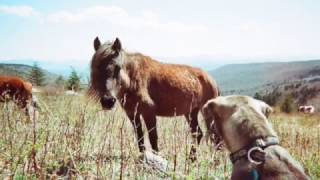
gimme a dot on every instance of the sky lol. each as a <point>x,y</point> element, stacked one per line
<point>201,33</point>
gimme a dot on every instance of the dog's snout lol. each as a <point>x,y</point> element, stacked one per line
<point>107,102</point>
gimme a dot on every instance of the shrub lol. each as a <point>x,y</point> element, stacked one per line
<point>258,96</point>
<point>272,97</point>
<point>36,75</point>
<point>287,105</point>
<point>73,82</point>
<point>52,91</point>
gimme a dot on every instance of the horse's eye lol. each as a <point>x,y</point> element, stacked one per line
<point>109,70</point>
<point>116,71</point>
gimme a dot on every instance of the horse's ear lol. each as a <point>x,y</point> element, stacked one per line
<point>116,45</point>
<point>96,43</point>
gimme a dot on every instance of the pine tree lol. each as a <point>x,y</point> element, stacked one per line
<point>287,105</point>
<point>73,82</point>
<point>36,75</point>
<point>257,96</point>
<point>60,82</point>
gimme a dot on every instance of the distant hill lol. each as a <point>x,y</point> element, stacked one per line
<point>56,67</point>
<point>301,80</point>
<point>248,78</point>
<point>22,71</point>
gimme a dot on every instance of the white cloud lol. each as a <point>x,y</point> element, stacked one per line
<point>23,11</point>
<point>118,16</point>
<point>88,14</point>
<point>250,27</point>
<point>62,34</point>
<point>145,31</point>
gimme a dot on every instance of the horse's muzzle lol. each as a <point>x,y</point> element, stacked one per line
<point>35,102</point>
<point>107,102</point>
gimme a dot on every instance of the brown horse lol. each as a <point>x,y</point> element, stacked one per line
<point>148,88</point>
<point>18,90</point>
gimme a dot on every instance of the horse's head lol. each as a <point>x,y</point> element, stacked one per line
<point>106,65</point>
<point>27,99</point>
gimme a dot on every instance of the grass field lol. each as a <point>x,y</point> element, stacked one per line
<point>72,137</point>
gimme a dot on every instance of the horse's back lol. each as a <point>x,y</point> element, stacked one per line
<point>177,89</point>
<point>11,81</point>
<point>14,84</point>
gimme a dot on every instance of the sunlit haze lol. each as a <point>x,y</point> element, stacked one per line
<point>200,33</point>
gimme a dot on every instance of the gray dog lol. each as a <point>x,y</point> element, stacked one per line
<point>255,150</point>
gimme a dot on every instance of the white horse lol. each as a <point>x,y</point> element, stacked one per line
<point>306,109</point>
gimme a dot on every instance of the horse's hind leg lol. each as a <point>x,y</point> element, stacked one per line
<point>151,124</point>
<point>197,134</point>
<point>136,122</point>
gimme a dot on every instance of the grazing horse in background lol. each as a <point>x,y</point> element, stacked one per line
<point>18,90</point>
<point>306,109</point>
<point>148,88</point>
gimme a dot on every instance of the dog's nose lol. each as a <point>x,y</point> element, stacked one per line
<point>107,102</point>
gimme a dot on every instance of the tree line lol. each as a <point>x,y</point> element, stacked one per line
<point>38,78</point>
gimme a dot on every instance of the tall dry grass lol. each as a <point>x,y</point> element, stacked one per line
<point>72,137</point>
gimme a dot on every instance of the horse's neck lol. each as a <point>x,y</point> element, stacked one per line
<point>134,64</point>
<point>133,74</point>
<point>128,72</point>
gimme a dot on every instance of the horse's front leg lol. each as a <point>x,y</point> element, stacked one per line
<point>151,124</point>
<point>136,123</point>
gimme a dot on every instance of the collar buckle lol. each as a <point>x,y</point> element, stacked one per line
<point>256,155</point>
<point>254,152</point>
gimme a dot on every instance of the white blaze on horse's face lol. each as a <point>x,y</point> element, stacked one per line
<point>111,86</point>
<point>113,73</point>
<point>118,60</point>
<point>110,58</point>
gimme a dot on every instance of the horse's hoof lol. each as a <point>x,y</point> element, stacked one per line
<point>192,158</point>
<point>155,161</point>
<point>193,154</point>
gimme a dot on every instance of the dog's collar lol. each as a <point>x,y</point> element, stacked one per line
<point>254,152</point>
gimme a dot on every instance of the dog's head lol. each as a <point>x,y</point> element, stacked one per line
<point>239,119</point>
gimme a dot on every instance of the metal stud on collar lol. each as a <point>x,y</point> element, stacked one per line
<point>256,148</point>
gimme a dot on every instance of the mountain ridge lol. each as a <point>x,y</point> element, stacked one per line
<point>23,70</point>
<point>251,75</point>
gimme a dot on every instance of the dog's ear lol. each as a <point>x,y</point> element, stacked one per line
<point>265,108</point>
<point>268,110</point>
<point>218,108</point>
<point>208,109</point>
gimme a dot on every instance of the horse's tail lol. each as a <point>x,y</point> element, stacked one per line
<point>214,89</point>
<point>219,91</point>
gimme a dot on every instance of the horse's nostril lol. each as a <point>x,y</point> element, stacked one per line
<point>107,101</point>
